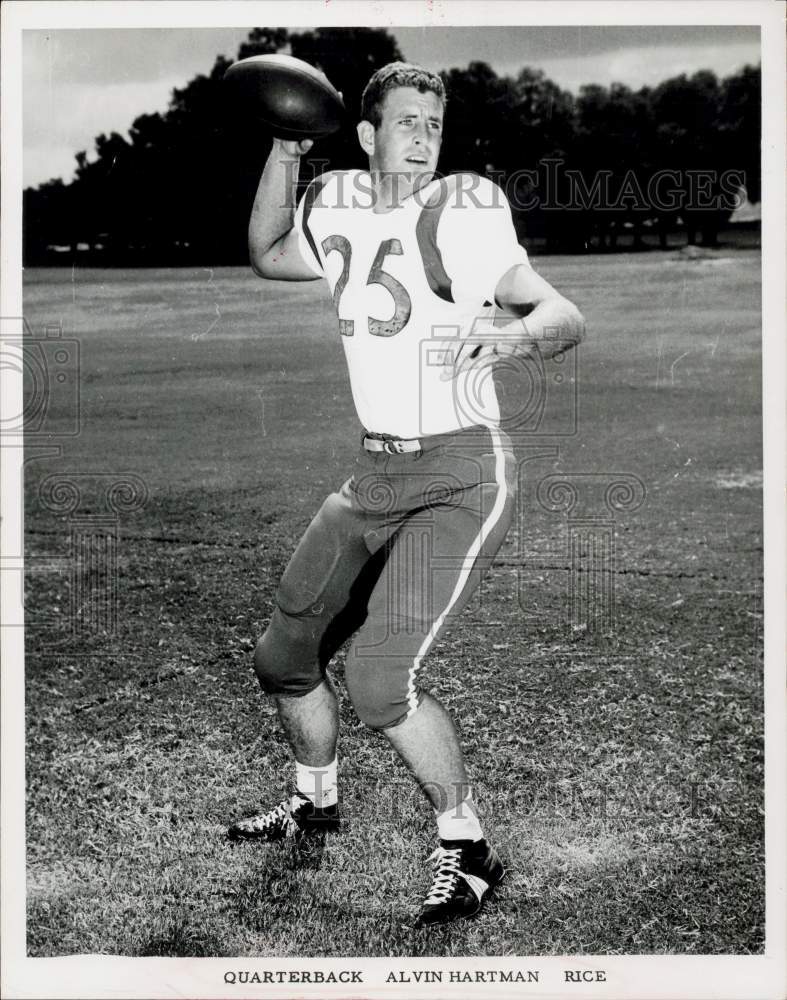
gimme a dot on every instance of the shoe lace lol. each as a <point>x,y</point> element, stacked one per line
<point>280,814</point>
<point>274,816</point>
<point>446,872</point>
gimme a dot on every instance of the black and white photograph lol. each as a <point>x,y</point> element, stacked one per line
<point>393,520</point>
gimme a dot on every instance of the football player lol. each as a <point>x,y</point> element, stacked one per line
<point>415,263</point>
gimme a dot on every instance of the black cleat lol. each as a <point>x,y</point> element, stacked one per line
<point>293,819</point>
<point>464,872</point>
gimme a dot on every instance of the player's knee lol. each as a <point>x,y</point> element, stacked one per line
<point>374,714</point>
<point>267,664</point>
<point>284,663</point>
<point>375,702</point>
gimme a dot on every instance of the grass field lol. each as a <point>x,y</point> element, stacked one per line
<point>620,773</point>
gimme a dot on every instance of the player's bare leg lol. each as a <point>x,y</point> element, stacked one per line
<point>311,724</point>
<point>465,866</point>
<point>427,742</point>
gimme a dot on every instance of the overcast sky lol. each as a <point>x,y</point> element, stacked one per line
<point>79,83</point>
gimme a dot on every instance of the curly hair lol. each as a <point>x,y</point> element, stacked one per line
<point>396,74</point>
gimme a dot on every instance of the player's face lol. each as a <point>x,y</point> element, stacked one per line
<point>407,141</point>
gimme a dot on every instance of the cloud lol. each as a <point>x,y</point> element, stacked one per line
<point>126,55</point>
<point>79,83</point>
<point>645,66</point>
<point>509,49</point>
<point>61,120</point>
<point>46,163</point>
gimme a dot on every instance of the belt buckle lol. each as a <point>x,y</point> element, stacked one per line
<point>394,447</point>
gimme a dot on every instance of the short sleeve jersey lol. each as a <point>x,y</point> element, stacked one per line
<point>407,285</point>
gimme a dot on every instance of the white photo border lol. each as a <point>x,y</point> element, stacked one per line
<point>734,977</point>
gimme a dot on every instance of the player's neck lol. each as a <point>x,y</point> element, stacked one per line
<point>392,190</point>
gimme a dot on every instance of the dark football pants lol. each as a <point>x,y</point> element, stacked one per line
<point>395,554</point>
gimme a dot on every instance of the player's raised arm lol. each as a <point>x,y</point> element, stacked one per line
<point>273,242</point>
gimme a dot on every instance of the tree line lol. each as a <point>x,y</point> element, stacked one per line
<point>578,170</point>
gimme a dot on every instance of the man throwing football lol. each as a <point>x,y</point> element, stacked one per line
<point>414,263</point>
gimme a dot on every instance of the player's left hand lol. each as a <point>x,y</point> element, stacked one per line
<point>483,347</point>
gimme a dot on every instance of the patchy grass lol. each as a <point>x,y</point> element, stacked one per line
<point>619,774</point>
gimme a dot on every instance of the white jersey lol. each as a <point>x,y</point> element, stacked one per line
<point>407,284</point>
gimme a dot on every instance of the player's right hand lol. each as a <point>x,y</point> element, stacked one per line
<point>294,147</point>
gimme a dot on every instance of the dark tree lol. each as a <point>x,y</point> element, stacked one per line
<point>179,187</point>
<point>263,42</point>
<point>738,127</point>
<point>685,110</point>
<point>479,114</point>
<point>348,57</point>
<point>610,162</point>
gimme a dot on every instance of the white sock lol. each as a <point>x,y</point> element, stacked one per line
<point>459,823</point>
<point>317,783</point>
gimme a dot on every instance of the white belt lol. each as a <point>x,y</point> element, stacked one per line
<point>393,446</point>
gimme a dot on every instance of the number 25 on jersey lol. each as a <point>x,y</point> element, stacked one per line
<point>377,276</point>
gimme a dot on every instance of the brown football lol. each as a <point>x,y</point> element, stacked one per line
<point>293,98</point>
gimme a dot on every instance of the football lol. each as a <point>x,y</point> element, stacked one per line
<point>295,100</point>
